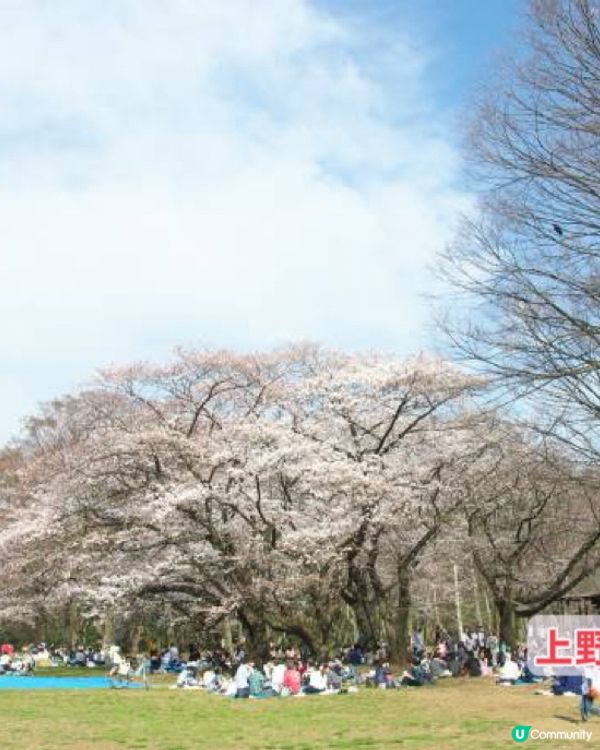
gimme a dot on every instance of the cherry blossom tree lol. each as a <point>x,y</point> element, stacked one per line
<point>302,491</point>
<point>281,488</point>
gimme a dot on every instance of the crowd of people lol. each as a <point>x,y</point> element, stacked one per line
<point>33,655</point>
<point>25,660</point>
<point>291,670</point>
<point>253,680</point>
<point>476,654</point>
<point>10,662</point>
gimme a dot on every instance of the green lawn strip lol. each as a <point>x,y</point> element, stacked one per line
<point>465,715</point>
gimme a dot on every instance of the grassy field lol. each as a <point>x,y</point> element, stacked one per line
<point>470,715</point>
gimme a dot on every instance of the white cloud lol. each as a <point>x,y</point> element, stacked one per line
<point>239,173</point>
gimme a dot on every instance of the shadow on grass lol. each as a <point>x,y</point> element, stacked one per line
<point>570,719</point>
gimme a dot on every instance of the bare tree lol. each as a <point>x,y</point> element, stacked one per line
<point>533,526</point>
<point>528,267</point>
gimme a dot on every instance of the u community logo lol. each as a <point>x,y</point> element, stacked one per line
<point>521,732</point>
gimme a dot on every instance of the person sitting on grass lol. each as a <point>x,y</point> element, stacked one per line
<point>473,665</point>
<point>257,684</point>
<point>242,675</point>
<point>277,676</point>
<point>292,679</point>
<point>317,680</point>
<point>99,658</point>
<point>356,655</point>
<point>6,662</point>
<point>439,667</point>
<point>383,676</point>
<point>79,659</point>
<point>417,675</point>
<point>462,655</point>
<point>155,662</point>
<point>165,660</point>
<point>509,672</point>
<point>208,679</point>
<point>25,665</point>
<point>187,678</point>
<point>527,676</point>
<point>334,676</point>
<point>212,680</point>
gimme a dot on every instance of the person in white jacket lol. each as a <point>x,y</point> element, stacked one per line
<point>277,675</point>
<point>317,680</point>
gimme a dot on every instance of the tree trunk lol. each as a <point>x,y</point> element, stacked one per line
<point>400,645</point>
<point>436,613</point>
<point>41,625</point>
<point>135,638</point>
<point>256,638</point>
<point>366,626</point>
<point>486,601</point>
<point>73,625</point>
<point>459,622</point>
<point>227,639</point>
<point>108,634</point>
<point>478,614</point>
<point>506,612</point>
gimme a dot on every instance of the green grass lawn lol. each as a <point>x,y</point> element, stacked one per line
<point>457,714</point>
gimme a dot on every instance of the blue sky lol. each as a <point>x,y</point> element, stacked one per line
<point>241,173</point>
<point>462,37</point>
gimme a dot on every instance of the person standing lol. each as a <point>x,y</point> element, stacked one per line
<point>588,695</point>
